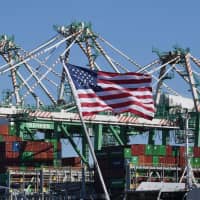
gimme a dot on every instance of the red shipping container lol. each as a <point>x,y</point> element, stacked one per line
<point>182,151</point>
<point>182,162</point>
<point>37,146</point>
<point>138,149</point>
<point>43,156</point>
<point>168,150</point>
<point>6,146</point>
<point>4,129</point>
<point>162,160</point>
<point>10,138</point>
<point>196,152</point>
<point>75,161</point>
<point>170,160</point>
<point>145,160</point>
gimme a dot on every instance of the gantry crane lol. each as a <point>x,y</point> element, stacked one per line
<point>38,97</point>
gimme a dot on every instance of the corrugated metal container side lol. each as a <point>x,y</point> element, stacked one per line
<point>36,146</point>
<point>26,156</point>
<point>134,160</point>
<point>168,150</point>
<point>159,150</point>
<point>98,185</point>
<point>4,129</point>
<point>43,156</point>
<point>118,183</point>
<point>175,151</point>
<point>155,161</point>
<point>182,162</point>
<point>195,162</point>
<point>138,149</point>
<point>116,151</point>
<point>149,149</point>
<point>10,138</point>
<point>162,160</point>
<point>116,173</point>
<point>145,160</point>
<point>71,161</point>
<point>196,151</point>
<point>182,151</point>
<point>103,163</point>
<point>116,163</point>
<point>127,153</point>
<point>101,154</point>
<point>170,160</point>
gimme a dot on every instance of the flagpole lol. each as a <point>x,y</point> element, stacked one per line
<point>85,129</point>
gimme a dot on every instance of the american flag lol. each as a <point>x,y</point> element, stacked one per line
<point>119,92</point>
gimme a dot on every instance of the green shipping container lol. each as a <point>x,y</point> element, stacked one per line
<point>159,150</point>
<point>175,151</point>
<point>54,142</point>
<point>116,153</point>
<point>155,161</point>
<point>12,130</point>
<point>195,162</point>
<point>1,138</point>
<point>27,155</point>
<point>134,160</point>
<point>117,183</point>
<point>191,151</point>
<point>101,153</point>
<point>149,149</point>
<point>127,153</point>
<point>3,179</point>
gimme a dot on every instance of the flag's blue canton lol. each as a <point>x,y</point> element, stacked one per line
<point>83,78</point>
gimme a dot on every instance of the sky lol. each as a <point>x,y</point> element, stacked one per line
<point>135,27</point>
<point>132,26</point>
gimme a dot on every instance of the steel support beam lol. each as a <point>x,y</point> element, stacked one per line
<point>197,132</point>
<point>117,136</point>
<point>98,136</point>
<point>69,137</point>
<point>151,136</point>
<point>165,137</point>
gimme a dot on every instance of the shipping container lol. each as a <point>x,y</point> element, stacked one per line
<point>71,161</point>
<point>138,149</point>
<point>4,129</point>
<point>134,160</point>
<point>196,152</point>
<point>195,162</point>
<point>117,183</point>
<point>149,149</point>
<point>169,150</point>
<point>155,161</point>
<point>159,150</point>
<point>145,160</point>
<point>182,150</point>
<point>127,153</point>
<point>116,163</point>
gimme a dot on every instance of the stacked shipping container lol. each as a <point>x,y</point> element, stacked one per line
<point>112,161</point>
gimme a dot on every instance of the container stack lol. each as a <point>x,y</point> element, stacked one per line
<point>71,162</point>
<point>112,164</point>
<point>25,153</point>
<point>113,160</point>
<point>16,153</point>
<point>152,155</point>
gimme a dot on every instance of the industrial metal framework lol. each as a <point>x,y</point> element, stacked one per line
<point>37,96</point>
